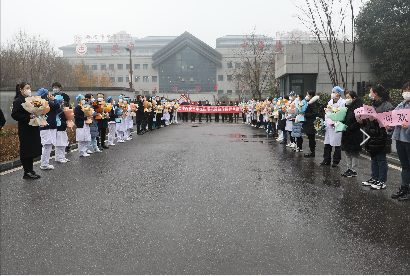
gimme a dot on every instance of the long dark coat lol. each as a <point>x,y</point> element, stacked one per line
<point>310,115</point>
<point>29,136</point>
<point>139,113</point>
<point>352,137</point>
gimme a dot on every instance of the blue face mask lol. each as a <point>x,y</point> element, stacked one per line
<point>370,96</point>
<point>55,91</point>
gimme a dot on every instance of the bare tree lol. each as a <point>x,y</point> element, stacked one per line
<point>33,59</point>
<point>253,65</point>
<point>326,19</point>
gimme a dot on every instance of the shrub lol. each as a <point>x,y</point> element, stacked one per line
<point>324,98</point>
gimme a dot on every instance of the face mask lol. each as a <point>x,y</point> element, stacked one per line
<point>406,96</point>
<point>333,96</point>
<point>307,98</point>
<point>55,91</point>
<point>27,93</point>
<point>113,102</point>
<point>370,96</point>
<point>92,100</point>
<point>120,100</point>
<point>348,101</point>
<point>82,101</point>
<point>100,99</point>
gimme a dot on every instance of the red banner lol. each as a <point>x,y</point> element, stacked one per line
<point>209,109</point>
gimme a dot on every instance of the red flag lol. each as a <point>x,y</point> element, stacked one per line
<point>215,87</point>
<point>155,90</point>
<point>243,87</point>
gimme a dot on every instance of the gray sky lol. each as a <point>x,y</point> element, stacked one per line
<point>60,20</point>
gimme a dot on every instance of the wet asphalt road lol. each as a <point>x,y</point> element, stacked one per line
<point>210,199</point>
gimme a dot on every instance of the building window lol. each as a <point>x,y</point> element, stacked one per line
<point>137,78</point>
<point>127,79</point>
<point>103,66</point>
<point>145,66</point>
<point>145,79</point>
<point>127,66</point>
<point>229,92</point>
<point>154,78</point>
<point>146,92</point>
<point>153,92</point>
<point>237,92</point>
<point>112,79</point>
<point>229,65</point>
<point>120,79</point>
<point>191,79</point>
<point>94,67</point>
<point>120,66</point>
<point>137,66</point>
<point>229,77</point>
<point>220,92</point>
<point>111,66</point>
<point>220,77</point>
<point>237,65</point>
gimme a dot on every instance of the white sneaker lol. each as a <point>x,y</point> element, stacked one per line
<point>378,185</point>
<point>122,141</point>
<point>67,160</point>
<point>97,150</point>
<point>279,140</point>
<point>112,145</point>
<point>128,139</point>
<point>62,161</point>
<point>293,145</point>
<point>89,152</point>
<point>49,167</point>
<point>85,155</point>
<point>290,144</point>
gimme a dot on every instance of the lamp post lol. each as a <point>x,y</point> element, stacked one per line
<point>128,49</point>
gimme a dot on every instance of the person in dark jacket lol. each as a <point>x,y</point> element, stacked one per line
<point>311,113</point>
<point>139,114</point>
<point>200,114</point>
<point>224,115</point>
<point>2,119</point>
<point>380,142</point>
<point>208,115</point>
<point>217,114</point>
<point>83,135</point>
<point>62,137</point>
<point>111,122</point>
<point>352,137</point>
<point>102,124</point>
<point>29,136</point>
<point>48,133</point>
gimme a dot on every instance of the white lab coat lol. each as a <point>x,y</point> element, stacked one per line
<point>48,136</point>
<point>331,137</point>
<point>83,134</point>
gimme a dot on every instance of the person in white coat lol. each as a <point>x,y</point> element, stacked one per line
<point>289,125</point>
<point>83,134</point>
<point>333,139</point>
<point>62,137</point>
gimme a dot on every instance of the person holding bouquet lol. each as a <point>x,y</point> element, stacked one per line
<point>111,122</point>
<point>89,100</point>
<point>296,125</point>
<point>48,133</point>
<point>83,135</point>
<point>62,137</point>
<point>333,139</point>
<point>102,122</point>
<point>308,127</point>
<point>29,135</point>
<point>352,137</point>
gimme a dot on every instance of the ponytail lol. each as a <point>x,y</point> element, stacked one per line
<point>18,88</point>
<point>382,92</point>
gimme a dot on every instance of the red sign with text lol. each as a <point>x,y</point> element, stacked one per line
<point>209,109</point>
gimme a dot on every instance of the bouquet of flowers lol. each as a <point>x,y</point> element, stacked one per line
<point>300,109</point>
<point>176,106</point>
<point>118,112</point>
<point>291,108</point>
<point>319,126</point>
<point>339,127</point>
<point>88,112</point>
<point>337,114</point>
<point>38,107</point>
<point>69,115</point>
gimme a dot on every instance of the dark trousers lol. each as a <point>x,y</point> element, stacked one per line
<point>185,116</point>
<point>102,132</point>
<point>312,142</point>
<point>292,139</point>
<point>230,118</point>
<point>327,154</point>
<point>27,164</point>
<point>208,115</point>
<point>150,123</point>
<point>299,142</point>
<point>236,116</point>
<point>223,117</point>
<point>200,117</point>
<point>216,117</point>
<point>139,123</point>
<point>244,117</point>
<point>144,124</point>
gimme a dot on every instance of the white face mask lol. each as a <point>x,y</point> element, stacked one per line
<point>100,99</point>
<point>406,96</point>
<point>113,102</point>
<point>333,96</point>
<point>348,101</point>
<point>82,101</point>
<point>27,93</point>
<point>120,100</point>
<point>92,100</point>
<point>370,96</point>
<point>307,98</point>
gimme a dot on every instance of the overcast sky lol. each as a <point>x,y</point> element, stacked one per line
<point>60,20</point>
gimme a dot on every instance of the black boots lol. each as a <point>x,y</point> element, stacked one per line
<point>310,154</point>
<point>402,194</point>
